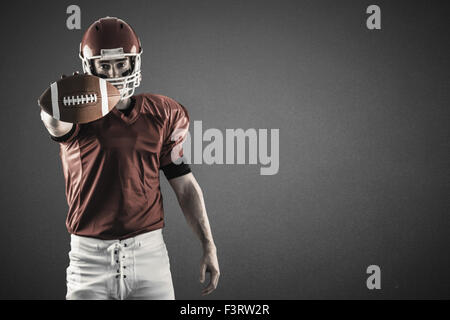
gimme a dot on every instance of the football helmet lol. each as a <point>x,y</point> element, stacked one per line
<point>112,38</point>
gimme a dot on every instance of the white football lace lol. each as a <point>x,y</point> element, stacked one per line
<point>81,99</point>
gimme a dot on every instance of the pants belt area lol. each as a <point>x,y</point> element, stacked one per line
<point>120,254</point>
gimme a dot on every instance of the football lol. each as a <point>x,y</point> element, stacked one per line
<point>80,98</point>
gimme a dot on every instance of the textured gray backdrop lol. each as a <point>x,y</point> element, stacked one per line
<point>363,118</point>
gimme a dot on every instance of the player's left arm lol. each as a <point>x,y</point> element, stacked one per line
<point>190,198</point>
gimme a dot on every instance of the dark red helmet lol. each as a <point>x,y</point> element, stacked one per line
<point>112,38</point>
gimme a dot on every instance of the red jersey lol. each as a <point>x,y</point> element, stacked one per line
<point>111,168</point>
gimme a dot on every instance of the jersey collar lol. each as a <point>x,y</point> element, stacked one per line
<point>135,112</point>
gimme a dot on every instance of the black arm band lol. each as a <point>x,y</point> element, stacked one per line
<point>176,170</point>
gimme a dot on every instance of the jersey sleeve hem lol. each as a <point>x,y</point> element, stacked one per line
<point>68,136</point>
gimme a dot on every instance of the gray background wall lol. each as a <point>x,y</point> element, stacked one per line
<point>363,118</point>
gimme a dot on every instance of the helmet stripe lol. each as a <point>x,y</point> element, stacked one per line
<point>55,106</point>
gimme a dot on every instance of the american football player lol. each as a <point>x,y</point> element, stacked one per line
<point>111,168</point>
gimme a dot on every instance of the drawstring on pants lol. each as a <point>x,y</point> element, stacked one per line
<point>117,248</point>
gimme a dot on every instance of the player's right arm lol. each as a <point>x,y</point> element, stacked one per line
<point>55,127</point>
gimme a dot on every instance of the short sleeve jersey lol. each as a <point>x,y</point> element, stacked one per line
<point>111,168</point>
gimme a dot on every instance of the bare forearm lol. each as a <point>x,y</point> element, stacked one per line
<point>55,127</point>
<point>193,207</point>
<point>190,197</point>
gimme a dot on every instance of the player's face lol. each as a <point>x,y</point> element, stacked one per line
<point>112,68</point>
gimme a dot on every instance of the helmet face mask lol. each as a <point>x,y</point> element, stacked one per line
<point>111,39</point>
<point>126,84</point>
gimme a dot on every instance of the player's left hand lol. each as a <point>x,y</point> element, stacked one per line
<point>209,264</point>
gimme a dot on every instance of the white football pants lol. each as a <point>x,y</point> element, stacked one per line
<point>134,268</point>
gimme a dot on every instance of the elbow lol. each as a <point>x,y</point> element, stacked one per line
<point>189,191</point>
